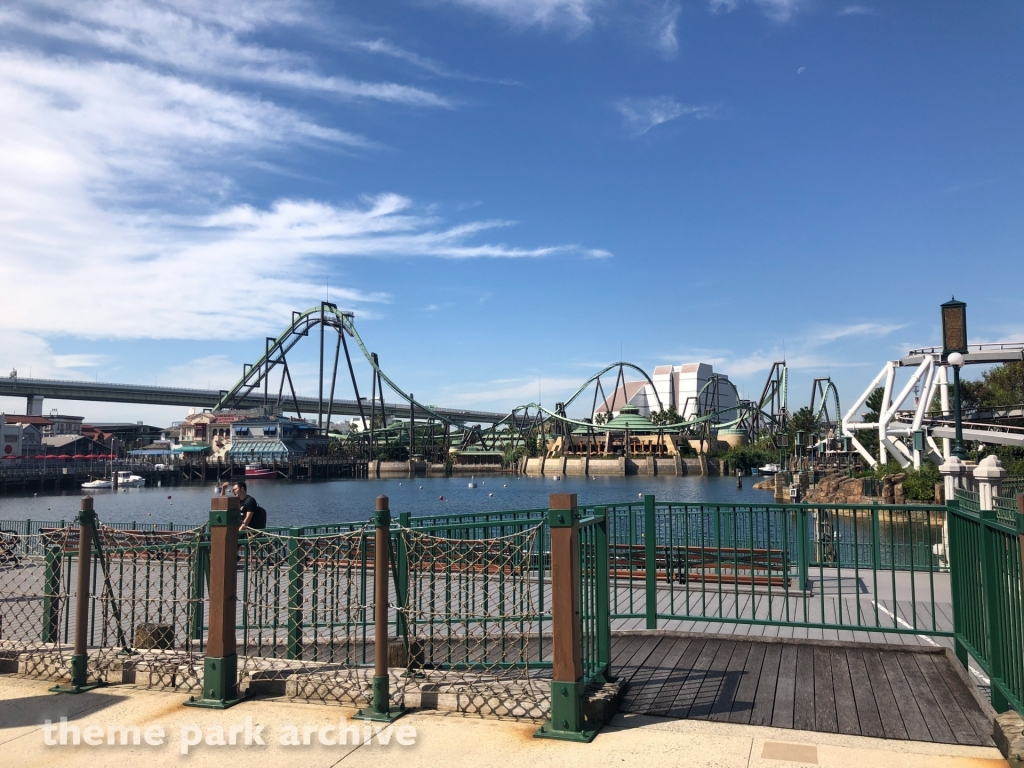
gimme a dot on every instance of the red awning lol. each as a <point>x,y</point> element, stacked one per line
<point>81,456</point>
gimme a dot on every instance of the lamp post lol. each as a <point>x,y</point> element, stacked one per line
<point>954,347</point>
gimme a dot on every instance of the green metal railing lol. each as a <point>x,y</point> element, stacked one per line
<point>462,588</point>
<point>968,500</point>
<point>595,615</point>
<point>867,568</point>
<point>988,595</point>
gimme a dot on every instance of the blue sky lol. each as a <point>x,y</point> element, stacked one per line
<point>505,191</point>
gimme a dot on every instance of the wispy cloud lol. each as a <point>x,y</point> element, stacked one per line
<point>209,41</point>
<point>854,10</point>
<point>385,48</point>
<point>777,10</point>
<point>119,176</point>
<point>508,393</point>
<point>663,29</point>
<point>874,330</point>
<point>641,115</point>
<point>598,253</point>
<point>574,16</point>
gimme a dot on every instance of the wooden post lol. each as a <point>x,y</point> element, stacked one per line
<point>567,721</point>
<point>220,668</point>
<point>80,654</point>
<point>380,708</point>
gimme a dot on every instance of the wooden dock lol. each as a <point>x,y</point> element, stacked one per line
<point>880,691</point>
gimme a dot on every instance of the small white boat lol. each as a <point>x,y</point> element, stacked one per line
<point>769,469</point>
<point>125,479</point>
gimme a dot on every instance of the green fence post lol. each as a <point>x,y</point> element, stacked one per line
<point>380,708</point>
<point>220,667</point>
<point>402,577</point>
<point>293,649</point>
<point>604,622</point>
<point>199,579</point>
<point>876,538</point>
<point>956,577</point>
<point>803,556</point>
<point>990,583</point>
<point>650,563</point>
<point>567,720</point>
<point>80,656</point>
<point>51,595</point>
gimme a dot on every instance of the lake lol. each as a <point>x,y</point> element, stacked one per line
<point>348,500</point>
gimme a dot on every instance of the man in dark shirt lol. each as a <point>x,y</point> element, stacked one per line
<point>253,516</point>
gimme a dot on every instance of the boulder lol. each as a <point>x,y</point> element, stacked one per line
<point>837,489</point>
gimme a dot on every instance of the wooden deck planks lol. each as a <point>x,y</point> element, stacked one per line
<point>825,715</point>
<point>764,699</point>
<point>847,719</point>
<point>886,693</point>
<point>785,689</point>
<point>743,702</point>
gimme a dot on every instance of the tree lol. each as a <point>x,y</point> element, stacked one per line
<point>874,405</point>
<point>668,416</point>
<point>1003,385</point>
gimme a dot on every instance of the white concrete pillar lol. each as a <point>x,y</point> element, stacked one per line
<point>954,474</point>
<point>989,474</point>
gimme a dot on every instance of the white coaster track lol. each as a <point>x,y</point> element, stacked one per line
<point>897,424</point>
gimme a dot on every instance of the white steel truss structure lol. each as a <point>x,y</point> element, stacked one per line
<point>909,432</point>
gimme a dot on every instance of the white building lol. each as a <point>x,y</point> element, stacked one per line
<point>10,439</point>
<point>677,386</point>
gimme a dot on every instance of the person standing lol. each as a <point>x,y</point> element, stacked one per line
<point>253,515</point>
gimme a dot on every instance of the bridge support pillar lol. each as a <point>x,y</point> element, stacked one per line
<point>34,405</point>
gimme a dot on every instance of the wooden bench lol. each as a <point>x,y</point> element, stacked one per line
<point>724,565</point>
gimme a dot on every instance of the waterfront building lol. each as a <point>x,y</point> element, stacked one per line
<point>10,439</point>
<point>129,435</point>
<point>62,425</point>
<point>275,438</point>
<point>629,433</point>
<point>32,430</point>
<point>206,433</point>
<point>73,445</point>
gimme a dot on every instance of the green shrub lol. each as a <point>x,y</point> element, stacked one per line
<point>747,457</point>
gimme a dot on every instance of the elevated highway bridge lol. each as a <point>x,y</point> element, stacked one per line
<point>35,390</point>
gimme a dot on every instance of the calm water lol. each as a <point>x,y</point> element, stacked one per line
<point>347,500</point>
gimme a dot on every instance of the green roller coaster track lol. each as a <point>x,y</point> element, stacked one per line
<point>768,412</point>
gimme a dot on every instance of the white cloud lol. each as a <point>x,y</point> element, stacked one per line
<point>385,48</point>
<point>598,253</point>
<point>777,10</point>
<point>201,40</point>
<point>854,10</point>
<point>663,29</point>
<point>643,114</point>
<point>575,16</point>
<point>118,182</point>
<point>874,330</point>
<point>508,393</point>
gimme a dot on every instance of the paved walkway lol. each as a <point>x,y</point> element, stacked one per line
<point>445,740</point>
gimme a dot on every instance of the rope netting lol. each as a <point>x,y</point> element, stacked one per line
<point>35,612</point>
<point>471,628</point>
<point>150,601</point>
<point>307,615</point>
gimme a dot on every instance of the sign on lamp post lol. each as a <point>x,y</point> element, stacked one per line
<point>954,347</point>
